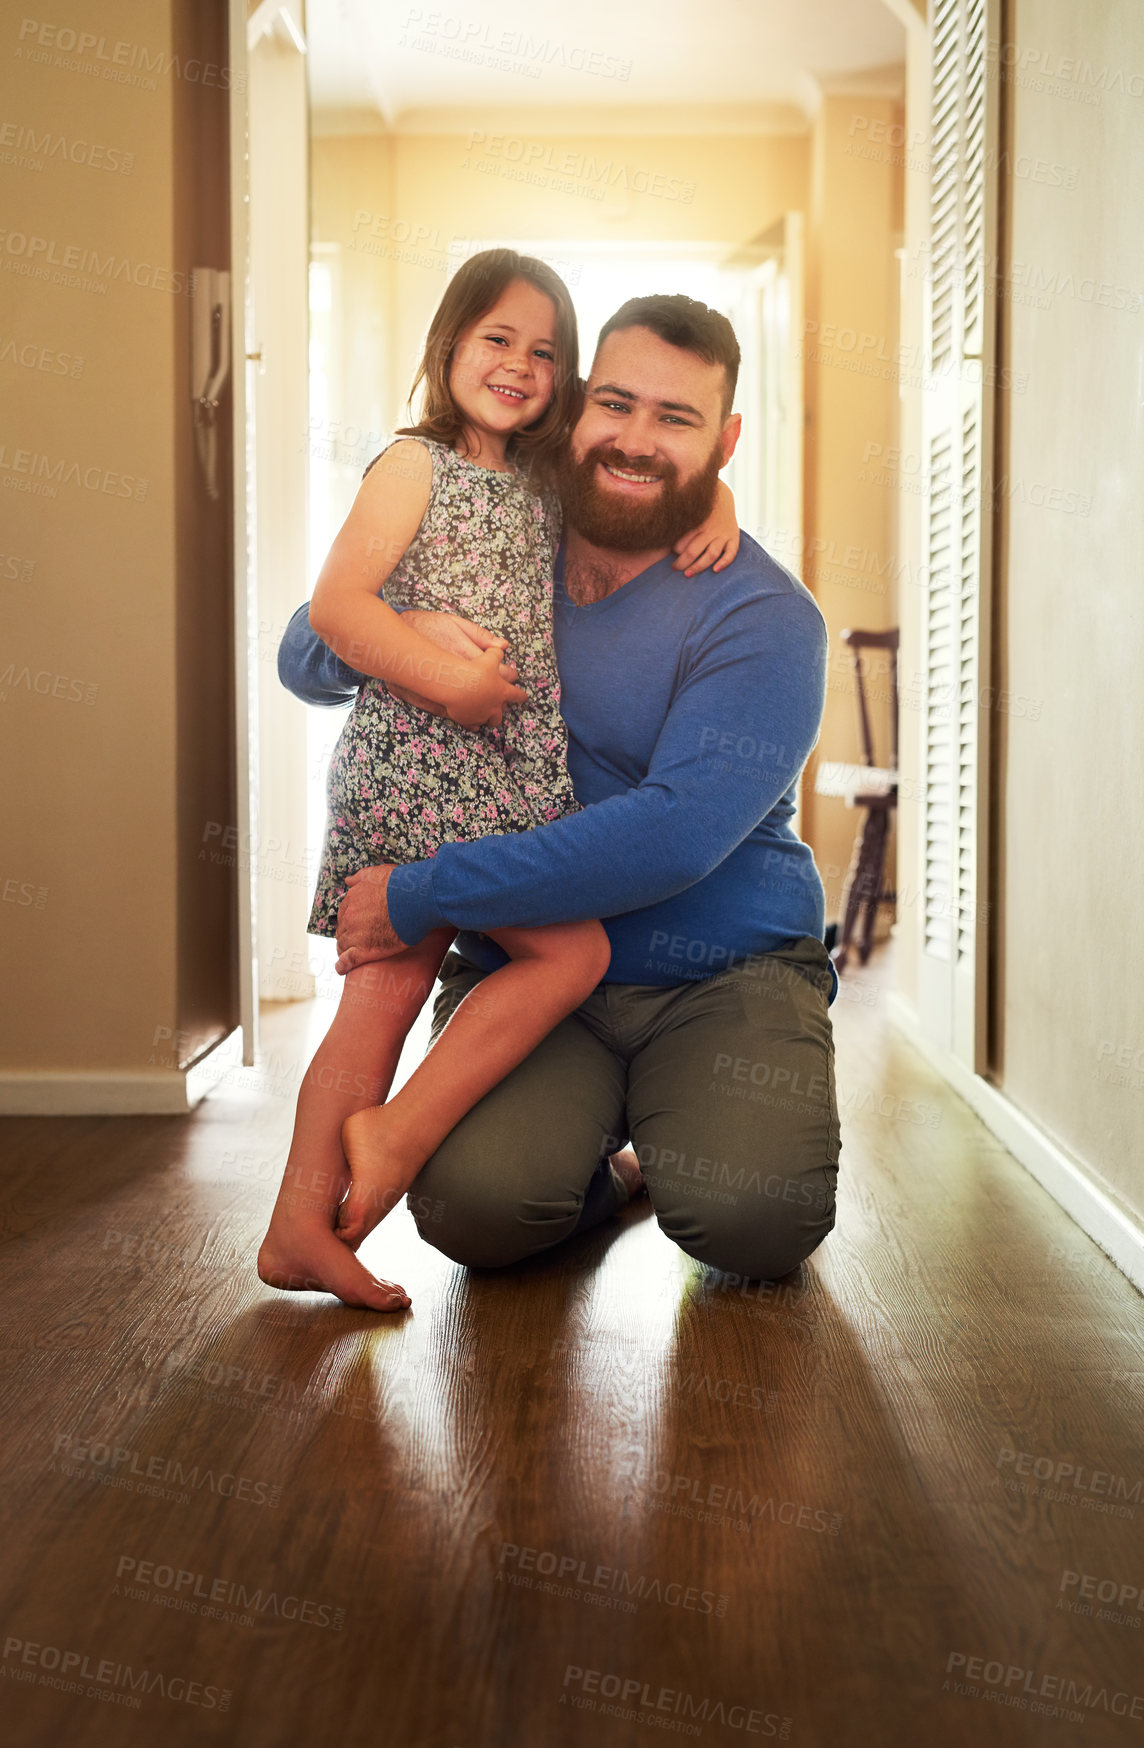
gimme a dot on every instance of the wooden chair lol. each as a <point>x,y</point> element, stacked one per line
<point>873,788</point>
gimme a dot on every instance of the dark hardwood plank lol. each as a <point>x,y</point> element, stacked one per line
<point>775,1511</point>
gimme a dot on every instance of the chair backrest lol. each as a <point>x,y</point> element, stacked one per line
<point>857,641</point>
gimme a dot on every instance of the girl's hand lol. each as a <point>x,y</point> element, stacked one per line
<point>483,706</point>
<point>715,543</point>
<point>458,635</point>
<point>453,632</point>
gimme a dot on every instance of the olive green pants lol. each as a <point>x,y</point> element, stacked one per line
<point>724,1087</point>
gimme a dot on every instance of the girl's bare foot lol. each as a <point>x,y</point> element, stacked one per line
<point>378,1175</point>
<point>310,1259</point>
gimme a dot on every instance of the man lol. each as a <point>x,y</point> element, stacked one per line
<point>691,706</point>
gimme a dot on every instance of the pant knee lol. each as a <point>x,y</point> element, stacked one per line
<point>772,1251</point>
<point>472,1250</point>
<point>762,1243</point>
<point>475,1226</point>
<point>767,1259</point>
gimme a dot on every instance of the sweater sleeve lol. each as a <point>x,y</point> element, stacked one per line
<point>310,669</point>
<point>742,722</point>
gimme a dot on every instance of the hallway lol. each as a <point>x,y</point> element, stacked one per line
<point>896,1501</point>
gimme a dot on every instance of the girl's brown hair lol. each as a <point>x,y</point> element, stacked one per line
<point>470,294</point>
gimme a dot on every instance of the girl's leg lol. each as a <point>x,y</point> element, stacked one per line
<point>499,1022</point>
<point>354,1067</point>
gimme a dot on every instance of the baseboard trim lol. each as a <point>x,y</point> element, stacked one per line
<point>155,1092</point>
<point>1070,1184</point>
<point>113,1092</point>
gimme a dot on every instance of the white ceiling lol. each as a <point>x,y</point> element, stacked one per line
<point>666,65</point>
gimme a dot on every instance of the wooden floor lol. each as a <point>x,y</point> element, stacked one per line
<point>598,1499</point>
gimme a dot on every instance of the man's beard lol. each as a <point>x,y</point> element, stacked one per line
<point>618,521</point>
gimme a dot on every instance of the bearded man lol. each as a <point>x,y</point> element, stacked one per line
<point>691,706</point>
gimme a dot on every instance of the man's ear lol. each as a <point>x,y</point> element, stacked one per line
<point>729,436</point>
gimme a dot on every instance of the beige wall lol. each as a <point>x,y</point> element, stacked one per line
<point>852,370</point>
<point>103,720</point>
<point>395,207</point>
<point>1071,1032</point>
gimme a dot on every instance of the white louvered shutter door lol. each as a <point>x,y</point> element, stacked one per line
<point>958,434</point>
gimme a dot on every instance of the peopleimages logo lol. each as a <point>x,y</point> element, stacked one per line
<point>107,1460</point>
<point>470,39</point>
<point>1072,1483</point>
<point>1108,1591</point>
<point>198,1593</point>
<point>74,264</point>
<point>28,149</point>
<point>1019,1686</point>
<point>1033,66</point>
<point>574,1571</point>
<point>66,1669</point>
<point>56,471</point>
<point>640,1700</point>
<point>532,157</point>
<point>123,63</point>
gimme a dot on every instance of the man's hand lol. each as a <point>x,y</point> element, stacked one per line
<point>460,637</point>
<point>365,932</point>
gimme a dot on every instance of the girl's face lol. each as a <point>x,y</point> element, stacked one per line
<point>500,374</point>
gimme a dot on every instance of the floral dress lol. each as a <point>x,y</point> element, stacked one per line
<point>402,782</point>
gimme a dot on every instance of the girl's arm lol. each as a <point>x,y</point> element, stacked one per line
<point>348,616</point>
<point>715,542</point>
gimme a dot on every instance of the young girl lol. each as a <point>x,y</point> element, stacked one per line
<point>453,518</point>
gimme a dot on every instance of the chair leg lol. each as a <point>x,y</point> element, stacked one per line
<point>853,896</point>
<point>877,836</point>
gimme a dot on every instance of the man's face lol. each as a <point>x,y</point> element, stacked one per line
<point>645,455</point>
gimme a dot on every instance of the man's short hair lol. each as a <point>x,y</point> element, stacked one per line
<point>686,323</point>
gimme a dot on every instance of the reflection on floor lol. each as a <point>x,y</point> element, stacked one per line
<point>895,1500</point>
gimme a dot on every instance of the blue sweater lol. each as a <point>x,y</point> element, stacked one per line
<point>691,708</point>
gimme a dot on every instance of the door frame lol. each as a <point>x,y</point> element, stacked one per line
<point>245,625</point>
